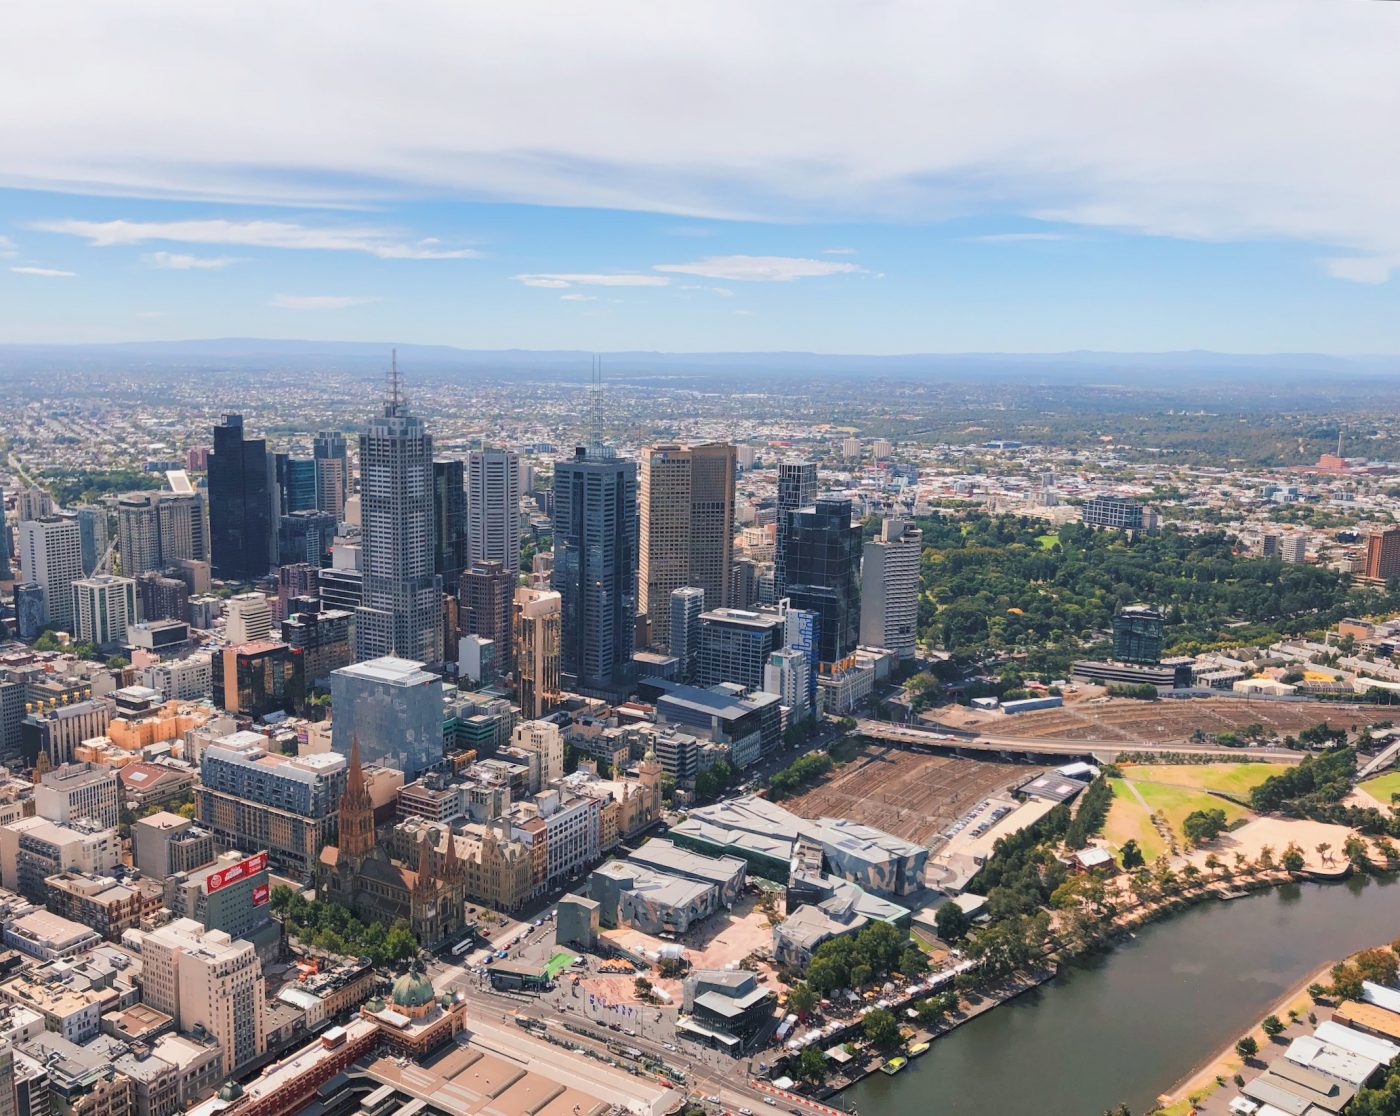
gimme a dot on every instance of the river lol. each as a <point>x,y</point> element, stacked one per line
<point>1127,1025</point>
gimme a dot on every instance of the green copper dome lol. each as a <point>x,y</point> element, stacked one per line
<point>413,989</point>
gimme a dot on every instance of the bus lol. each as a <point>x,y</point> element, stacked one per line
<point>464,945</point>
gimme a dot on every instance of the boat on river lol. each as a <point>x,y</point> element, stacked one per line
<point>917,1049</point>
<point>894,1065</point>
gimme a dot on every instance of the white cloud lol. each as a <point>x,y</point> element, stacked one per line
<point>7,247</point>
<point>838,251</point>
<point>319,302</point>
<point>1362,269</point>
<point>1019,237</point>
<point>723,292</point>
<point>578,298</point>
<point>759,269</point>
<point>178,261</point>
<point>44,272</point>
<point>1258,119</point>
<point>587,280</point>
<point>387,244</point>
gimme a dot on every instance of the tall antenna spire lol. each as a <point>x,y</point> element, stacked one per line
<point>595,389</point>
<point>395,400</point>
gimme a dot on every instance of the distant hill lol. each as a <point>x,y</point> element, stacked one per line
<point>254,353</point>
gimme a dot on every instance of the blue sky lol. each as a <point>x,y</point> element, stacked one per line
<point>877,178</point>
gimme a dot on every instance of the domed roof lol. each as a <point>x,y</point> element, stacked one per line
<point>413,989</point>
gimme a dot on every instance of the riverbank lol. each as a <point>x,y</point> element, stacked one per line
<point>1209,974</point>
<point>1204,1079</point>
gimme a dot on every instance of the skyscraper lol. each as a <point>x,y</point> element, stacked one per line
<point>687,603</point>
<point>240,505</point>
<point>5,572</point>
<point>493,507</point>
<point>537,629</point>
<point>92,530</point>
<point>332,472</point>
<point>50,549</point>
<point>797,488</point>
<point>889,588</point>
<point>595,567</point>
<point>391,708</point>
<point>103,606</point>
<point>401,613</point>
<point>686,510</point>
<point>823,572</point>
<point>486,604</point>
<point>450,522</point>
<point>204,978</point>
<point>138,533</point>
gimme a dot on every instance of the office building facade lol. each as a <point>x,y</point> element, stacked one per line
<point>393,708</point>
<point>685,528</point>
<point>687,605</point>
<point>493,507</point>
<point>823,571</point>
<point>538,620</point>
<point>889,588</point>
<point>103,606</point>
<point>449,521</point>
<point>332,459</point>
<point>485,601</point>
<point>401,609</point>
<point>797,488</point>
<point>240,503</point>
<point>595,568</point>
<point>735,646</point>
<point>52,556</point>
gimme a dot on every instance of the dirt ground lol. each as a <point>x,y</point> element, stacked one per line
<point>1251,837</point>
<point>908,794</point>
<point>1162,722</point>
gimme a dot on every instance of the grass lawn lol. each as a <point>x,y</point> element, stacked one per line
<point>1383,786</point>
<point>558,963</point>
<point>1177,802</point>
<point>1128,820</point>
<point>1231,778</point>
<point>1047,541</point>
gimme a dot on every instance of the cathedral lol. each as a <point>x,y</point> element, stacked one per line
<point>358,874</point>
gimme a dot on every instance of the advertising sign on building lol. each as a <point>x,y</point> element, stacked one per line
<point>235,872</point>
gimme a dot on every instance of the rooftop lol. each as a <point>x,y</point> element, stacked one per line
<point>389,670</point>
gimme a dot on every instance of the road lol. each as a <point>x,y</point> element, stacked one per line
<point>932,739</point>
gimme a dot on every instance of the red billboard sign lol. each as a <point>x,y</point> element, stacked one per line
<point>235,872</point>
<point>261,894</point>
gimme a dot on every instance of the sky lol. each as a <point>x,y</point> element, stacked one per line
<point>864,177</point>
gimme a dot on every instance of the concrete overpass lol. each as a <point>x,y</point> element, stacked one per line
<point>966,743</point>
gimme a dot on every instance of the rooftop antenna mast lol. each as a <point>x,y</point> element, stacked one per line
<point>395,383</point>
<point>595,389</point>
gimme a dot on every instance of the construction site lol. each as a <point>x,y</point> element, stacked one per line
<point>1164,722</point>
<point>912,795</point>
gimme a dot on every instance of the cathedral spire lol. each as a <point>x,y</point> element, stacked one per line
<point>356,838</point>
<point>425,883</point>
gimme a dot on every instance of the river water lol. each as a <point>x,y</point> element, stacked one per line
<point>1129,1024</point>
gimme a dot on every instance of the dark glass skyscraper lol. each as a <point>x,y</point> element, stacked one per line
<point>823,563</point>
<point>240,504</point>
<point>797,488</point>
<point>401,613</point>
<point>450,521</point>
<point>4,541</point>
<point>595,567</point>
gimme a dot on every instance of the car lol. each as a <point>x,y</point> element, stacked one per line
<point>746,1112</point>
<point>770,1100</point>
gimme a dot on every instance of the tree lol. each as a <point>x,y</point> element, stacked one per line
<point>953,922</point>
<point>1247,1047</point>
<point>812,1063</point>
<point>1274,1026</point>
<point>1346,982</point>
<point>1131,855</point>
<point>1292,859</point>
<point>1200,826</point>
<point>881,1028</point>
<point>1377,965</point>
<point>912,963</point>
<point>801,999</point>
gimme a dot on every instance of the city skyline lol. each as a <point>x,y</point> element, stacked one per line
<point>1161,176</point>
